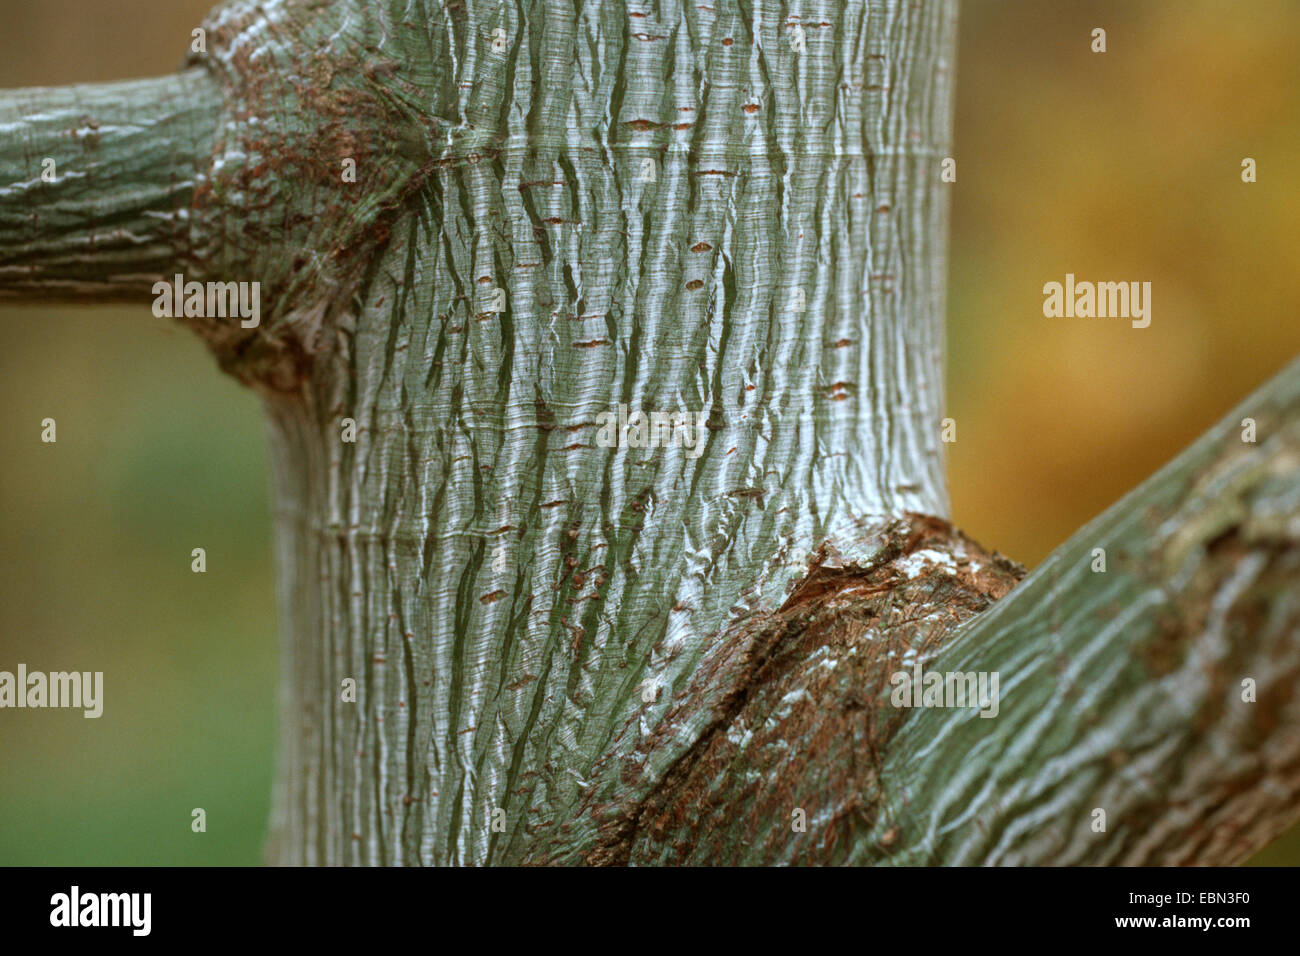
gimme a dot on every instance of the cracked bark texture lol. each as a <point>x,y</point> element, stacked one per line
<point>567,653</point>
<point>685,211</point>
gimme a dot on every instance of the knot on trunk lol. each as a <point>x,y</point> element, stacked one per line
<point>322,137</point>
<point>796,710</point>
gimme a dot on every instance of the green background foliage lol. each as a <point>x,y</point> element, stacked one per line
<point>1115,166</point>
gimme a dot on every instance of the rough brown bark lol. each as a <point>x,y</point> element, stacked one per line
<point>799,711</point>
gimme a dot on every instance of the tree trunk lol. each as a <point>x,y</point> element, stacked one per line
<point>653,195</point>
<point>567,651</point>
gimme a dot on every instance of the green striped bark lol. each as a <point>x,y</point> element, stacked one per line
<point>683,212</point>
<point>97,185</point>
<point>569,652</point>
<point>1126,732</point>
<point>1160,691</point>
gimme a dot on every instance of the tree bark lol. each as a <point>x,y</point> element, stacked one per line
<point>505,590</point>
<point>96,185</point>
<point>568,652</point>
<point>1122,690</point>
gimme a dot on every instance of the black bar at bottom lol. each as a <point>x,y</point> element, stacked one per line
<point>590,909</point>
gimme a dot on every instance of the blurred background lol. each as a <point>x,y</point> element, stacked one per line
<point>1117,166</point>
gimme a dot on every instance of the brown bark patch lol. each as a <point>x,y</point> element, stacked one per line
<point>799,701</point>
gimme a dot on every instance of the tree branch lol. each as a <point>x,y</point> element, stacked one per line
<point>1120,690</point>
<point>111,215</point>
<point>1123,690</point>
